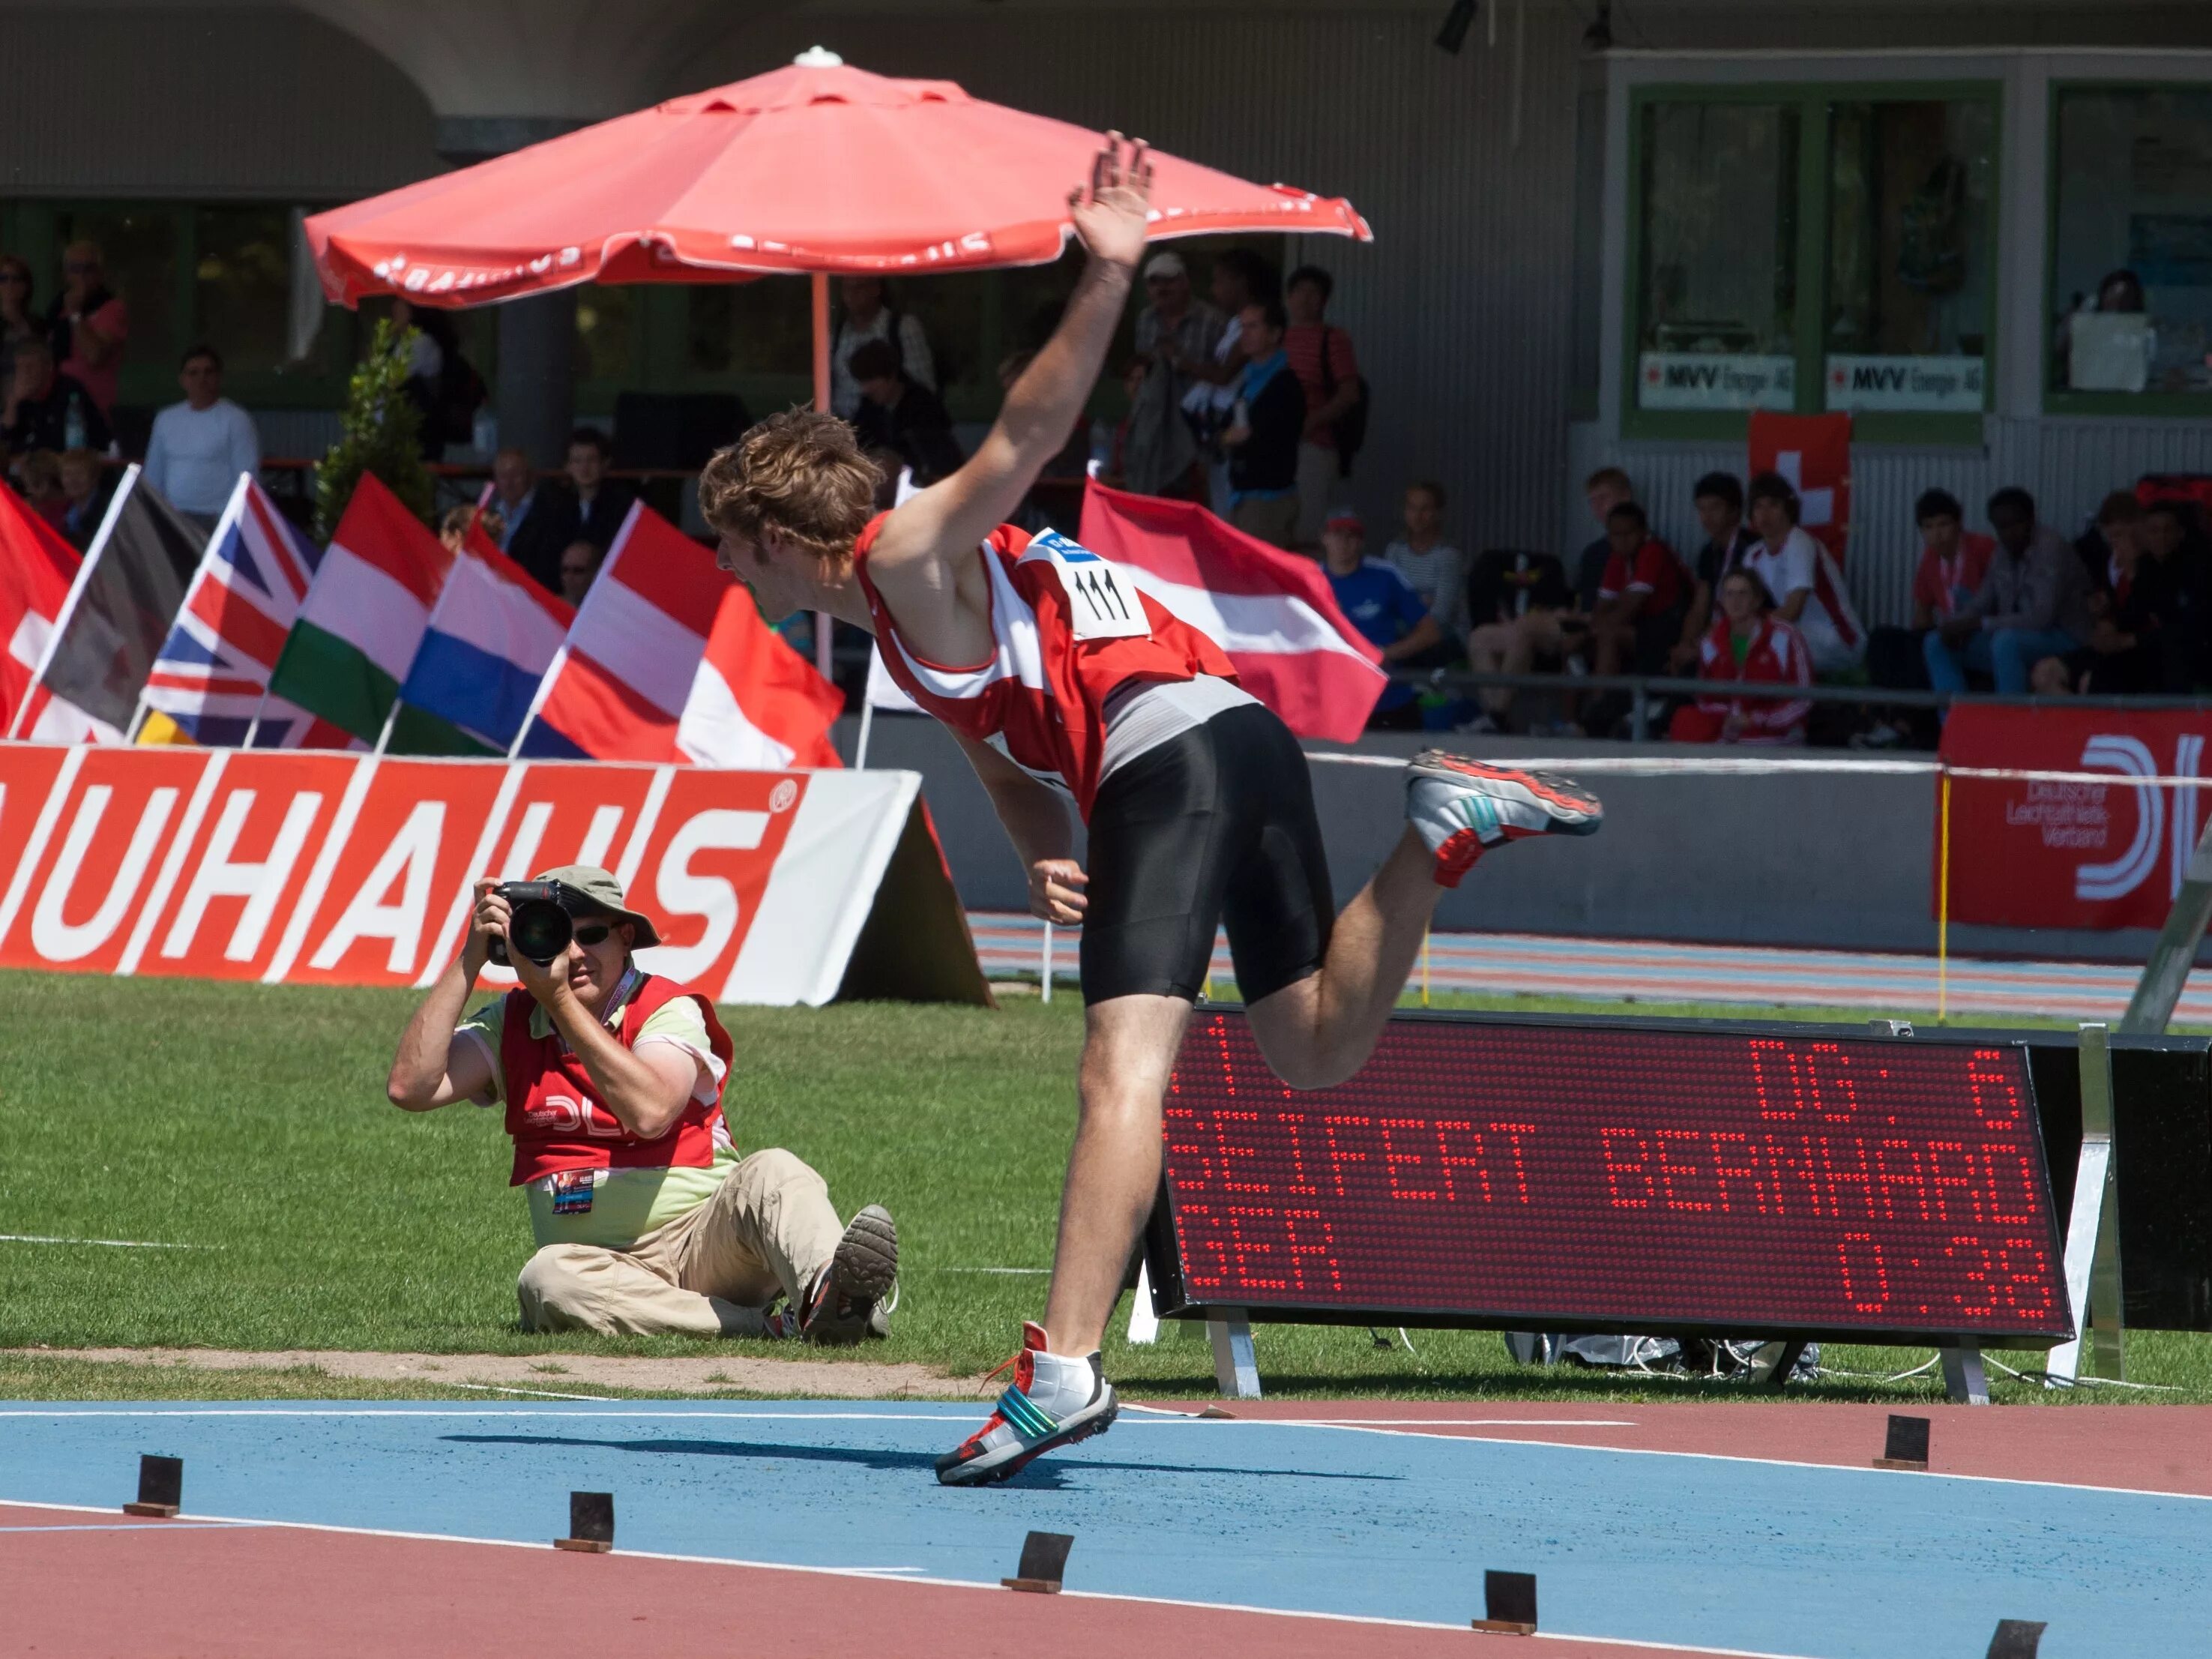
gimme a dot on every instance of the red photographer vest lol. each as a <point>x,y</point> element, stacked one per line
<point>557,1120</point>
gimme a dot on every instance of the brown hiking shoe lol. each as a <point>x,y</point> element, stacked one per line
<point>853,1298</point>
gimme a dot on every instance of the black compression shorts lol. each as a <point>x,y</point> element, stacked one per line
<point>1214,826</point>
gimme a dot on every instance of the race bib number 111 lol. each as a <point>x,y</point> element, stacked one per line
<point>1101,602</point>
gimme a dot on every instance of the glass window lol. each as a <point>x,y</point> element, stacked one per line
<point>1910,218</point>
<point>1717,286</point>
<point>2131,254</point>
<point>138,252</point>
<point>764,327</point>
<point>242,285</point>
<point>606,333</point>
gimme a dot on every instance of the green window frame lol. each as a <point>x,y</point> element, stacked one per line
<point>1813,104</point>
<point>2056,400</point>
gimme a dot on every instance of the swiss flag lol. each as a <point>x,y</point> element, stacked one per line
<point>1814,452</point>
<point>37,568</point>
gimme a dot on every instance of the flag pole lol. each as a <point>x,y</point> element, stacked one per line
<point>860,749</point>
<point>820,284</point>
<point>1044,978</point>
<point>389,721</point>
<point>233,511</point>
<point>1943,907</point>
<point>76,592</point>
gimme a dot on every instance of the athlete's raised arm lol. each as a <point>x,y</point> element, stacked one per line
<point>926,547</point>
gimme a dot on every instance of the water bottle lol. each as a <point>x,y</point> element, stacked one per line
<point>73,424</point>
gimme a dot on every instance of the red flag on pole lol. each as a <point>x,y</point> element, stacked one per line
<point>1814,452</point>
<point>36,569</point>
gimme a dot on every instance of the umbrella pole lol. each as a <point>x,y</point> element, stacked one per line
<point>820,280</point>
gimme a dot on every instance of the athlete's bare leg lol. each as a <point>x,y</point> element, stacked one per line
<point>1129,1050</point>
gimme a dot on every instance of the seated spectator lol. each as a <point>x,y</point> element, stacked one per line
<point>1604,489</point>
<point>1807,588</point>
<point>901,414</point>
<point>2033,603</point>
<point>1436,569</point>
<point>2145,636</point>
<point>1265,430</point>
<point>535,520</point>
<point>1750,644</point>
<point>84,496</point>
<point>88,325</point>
<point>1640,597</point>
<point>601,504</point>
<point>39,477</point>
<point>1378,601</point>
<point>45,409</point>
<point>579,567</point>
<point>1719,497</point>
<point>1952,560</point>
<point>201,446</point>
<point>1519,603</point>
<point>870,314</point>
<point>454,527</point>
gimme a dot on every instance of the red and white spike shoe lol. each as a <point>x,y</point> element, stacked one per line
<point>1462,808</point>
<point>1055,1400</point>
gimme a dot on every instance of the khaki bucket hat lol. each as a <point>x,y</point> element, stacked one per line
<point>603,891</point>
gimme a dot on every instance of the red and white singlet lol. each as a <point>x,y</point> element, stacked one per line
<point>1067,629</point>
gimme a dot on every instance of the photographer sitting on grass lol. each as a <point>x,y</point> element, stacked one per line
<point>647,1219</point>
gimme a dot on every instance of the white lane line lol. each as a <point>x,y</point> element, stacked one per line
<point>535,1394</point>
<point>886,1575</point>
<point>112,1243</point>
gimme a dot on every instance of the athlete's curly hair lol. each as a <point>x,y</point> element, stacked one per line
<point>801,474</point>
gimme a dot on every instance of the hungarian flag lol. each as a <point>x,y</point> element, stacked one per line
<point>126,597</point>
<point>37,568</point>
<point>488,642</point>
<point>361,623</point>
<point>1814,452</point>
<point>668,660</point>
<point>1272,612</point>
<point>211,683</point>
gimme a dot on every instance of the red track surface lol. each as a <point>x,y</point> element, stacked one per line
<point>2148,1448</point>
<point>159,1589</point>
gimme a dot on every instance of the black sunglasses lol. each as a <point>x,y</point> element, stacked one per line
<point>592,932</point>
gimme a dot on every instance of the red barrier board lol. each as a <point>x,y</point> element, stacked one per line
<point>347,869</point>
<point>2028,853</point>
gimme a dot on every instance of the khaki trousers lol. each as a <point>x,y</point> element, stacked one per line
<point>1320,489</point>
<point>712,1272</point>
<point>1273,521</point>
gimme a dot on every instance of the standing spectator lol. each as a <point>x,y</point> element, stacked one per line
<point>537,526</point>
<point>1322,355</point>
<point>445,388</point>
<point>39,476</point>
<point>1748,645</point>
<point>200,445</point>
<point>1382,605</point>
<point>89,324</point>
<point>601,505</point>
<point>872,314</point>
<point>1515,601</point>
<point>1239,278</point>
<point>1175,338</point>
<point>579,567</point>
<point>1640,597</point>
<point>18,323</point>
<point>1804,582</point>
<point>1262,439</point>
<point>84,497</point>
<point>1604,489</point>
<point>45,409</point>
<point>2033,603</point>
<point>1719,497</point>
<point>1436,569</point>
<point>902,415</point>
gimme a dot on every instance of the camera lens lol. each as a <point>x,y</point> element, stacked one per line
<point>539,929</point>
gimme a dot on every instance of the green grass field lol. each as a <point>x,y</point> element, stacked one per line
<point>250,1123</point>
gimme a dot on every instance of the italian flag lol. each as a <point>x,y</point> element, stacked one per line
<point>362,619</point>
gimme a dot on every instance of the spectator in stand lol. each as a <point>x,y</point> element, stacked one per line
<point>84,496</point>
<point>1322,356</point>
<point>444,389</point>
<point>200,445</point>
<point>453,527</point>
<point>1640,598</point>
<point>45,409</point>
<point>18,322</point>
<point>1719,497</point>
<point>535,522</point>
<point>1241,277</point>
<point>870,314</point>
<point>39,475</point>
<point>902,415</point>
<point>1515,601</point>
<point>1436,569</point>
<point>1953,562</point>
<point>601,505</point>
<point>1604,489</point>
<point>1378,601</point>
<point>1264,431</point>
<point>2143,610</point>
<point>579,567</point>
<point>1804,582</point>
<point>88,325</point>
<point>1748,645</point>
<point>1176,339</point>
<point>2033,603</point>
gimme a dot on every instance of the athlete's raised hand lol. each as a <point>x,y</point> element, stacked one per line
<point>1111,213</point>
<point>1056,892</point>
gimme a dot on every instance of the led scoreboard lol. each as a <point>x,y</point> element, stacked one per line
<point>1619,1177</point>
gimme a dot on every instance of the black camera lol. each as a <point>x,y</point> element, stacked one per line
<point>541,920</point>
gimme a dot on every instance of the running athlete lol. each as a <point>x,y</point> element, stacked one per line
<point>1062,680</point>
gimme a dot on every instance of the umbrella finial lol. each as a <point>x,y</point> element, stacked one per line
<point>819,58</point>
